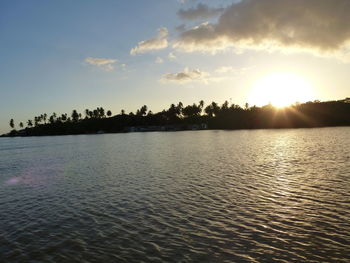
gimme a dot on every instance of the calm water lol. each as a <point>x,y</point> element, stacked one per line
<point>206,196</point>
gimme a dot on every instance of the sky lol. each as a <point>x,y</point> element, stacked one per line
<point>57,56</point>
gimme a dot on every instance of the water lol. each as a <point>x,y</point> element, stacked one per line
<point>206,196</point>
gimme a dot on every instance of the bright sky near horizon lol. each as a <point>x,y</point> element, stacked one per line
<point>62,55</point>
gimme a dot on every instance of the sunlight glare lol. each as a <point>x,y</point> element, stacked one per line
<point>280,89</point>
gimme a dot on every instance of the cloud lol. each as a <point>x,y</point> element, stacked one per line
<point>232,70</point>
<point>104,63</point>
<point>185,1</point>
<point>318,26</point>
<point>185,76</point>
<point>156,43</point>
<point>225,73</point>
<point>171,56</point>
<point>159,60</point>
<point>225,69</point>
<point>201,11</point>
<point>181,28</point>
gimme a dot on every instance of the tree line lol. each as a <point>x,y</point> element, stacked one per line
<point>54,118</point>
<point>214,115</point>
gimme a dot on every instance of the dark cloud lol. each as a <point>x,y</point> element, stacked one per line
<point>318,25</point>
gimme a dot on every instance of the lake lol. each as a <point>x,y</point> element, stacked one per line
<point>191,196</point>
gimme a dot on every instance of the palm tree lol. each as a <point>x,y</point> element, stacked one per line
<point>192,110</point>
<point>212,109</point>
<point>142,111</point>
<point>216,108</point>
<point>12,123</point>
<point>21,125</point>
<point>36,120</point>
<point>64,117</point>
<point>95,113</point>
<point>30,123</point>
<point>173,112</point>
<point>75,116</point>
<point>179,107</point>
<point>51,119</point>
<point>109,113</point>
<point>122,112</point>
<point>101,112</point>
<point>224,106</point>
<point>209,110</point>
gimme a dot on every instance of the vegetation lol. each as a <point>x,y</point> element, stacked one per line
<point>215,116</point>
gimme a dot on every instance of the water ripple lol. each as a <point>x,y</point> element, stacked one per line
<point>211,196</point>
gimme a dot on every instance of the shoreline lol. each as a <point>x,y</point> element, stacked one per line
<point>170,131</point>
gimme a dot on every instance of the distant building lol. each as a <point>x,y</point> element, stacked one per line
<point>173,127</point>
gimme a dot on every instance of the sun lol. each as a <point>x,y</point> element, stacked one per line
<point>280,89</point>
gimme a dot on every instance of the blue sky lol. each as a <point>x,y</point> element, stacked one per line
<point>62,55</point>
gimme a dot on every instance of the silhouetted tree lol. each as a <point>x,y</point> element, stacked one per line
<point>30,123</point>
<point>212,109</point>
<point>36,121</point>
<point>51,119</point>
<point>21,125</point>
<point>12,123</point>
<point>179,108</point>
<point>75,116</point>
<point>224,106</point>
<point>64,117</point>
<point>87,113</point>
<point>142,111</point>
<point>96,113</point>
<point>173,114</point>
<point>201,104</point>
<point>192,110</point>
<point>54,115</point>
<point>101,112</point>
<point>310,114</point>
